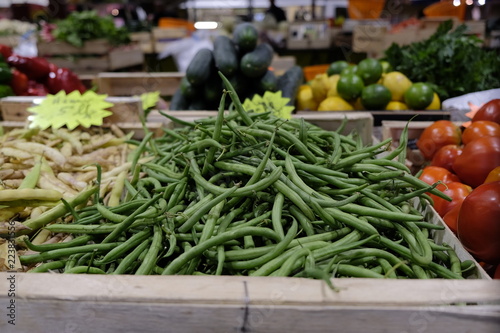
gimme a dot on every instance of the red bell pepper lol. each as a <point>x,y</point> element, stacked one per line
<point>36,89</point>
<point>19,83</point>
<point>35,68</point>
<point>5,51</point>
<point>64,79</point>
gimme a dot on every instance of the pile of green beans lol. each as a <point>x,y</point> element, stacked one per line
<point>251,194</point>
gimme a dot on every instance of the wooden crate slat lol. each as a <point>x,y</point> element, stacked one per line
<point>126,84</point>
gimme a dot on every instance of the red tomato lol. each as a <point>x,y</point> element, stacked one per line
<point>478,129</point>
<point>477,160</point>
<point>446,155</point>
<point>489,111</point>
<point>432,174</point>
<point>456,191</point>
<point>437,135</point>
<point>451,217</point>
<point>478,225</point>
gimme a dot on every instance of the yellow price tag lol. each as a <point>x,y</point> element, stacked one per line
<point>150,99</point>
<point>271,102</point>
<point>73,109</point>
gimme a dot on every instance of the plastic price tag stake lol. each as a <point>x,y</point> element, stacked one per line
<point>271,101</point>
<point>150,99</point>
<point>70,110</point>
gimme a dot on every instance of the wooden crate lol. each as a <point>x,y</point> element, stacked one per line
<point>145,41</point>
<point>128,84</point>
<point>163,36</point>
<point>125,109</point>
<point>60,302</point>
<point>361,122</point>
<point>95,56</point>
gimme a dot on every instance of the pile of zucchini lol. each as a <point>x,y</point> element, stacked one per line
<point>244,61</point>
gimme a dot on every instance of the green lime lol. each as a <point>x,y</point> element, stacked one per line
<point>370,70</point>
<point>386,66</point>
<point>336,67</point>
<point>350,86</point>
<point>351,69</point>
<point>375,97</point>
<point>418,96</point>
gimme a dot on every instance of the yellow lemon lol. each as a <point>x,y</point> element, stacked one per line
<point>435,104</point>
<point>357,105</point>
<point>333,80</point>
<point>320,85</point>
<point>305,99</point>
<point>396,106</point>
<point>397,83</point>
<point>334,103</point>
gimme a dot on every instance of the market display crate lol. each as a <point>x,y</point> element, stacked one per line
<point>129,84</point>
<point>374,38</point>
<point>163,36</point>
<point>125,109</point>
<point>256,304</point>
<point>144,39</point>
<point>95,56</point>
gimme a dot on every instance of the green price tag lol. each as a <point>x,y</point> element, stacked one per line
<point>150,99</point>
<point>70,110</point>
<point>271,101</point>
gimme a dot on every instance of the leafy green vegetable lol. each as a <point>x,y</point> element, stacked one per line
<point>451,60</point>
<point>80,27</point>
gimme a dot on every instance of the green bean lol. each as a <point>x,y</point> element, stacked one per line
<point>303,220</point>
<point>221,238</point>
<point>354,271</point>
<point>55,212</point>
<point>130,243</point>
<point>276,251</point>
<point>121,227</point>
<point>48,266</point>
<point>149,261</point>
<point>54,254</point>
<point>81,240</point>
<point>126,262</point>
<point>84,270</point>
<point>276,215</point>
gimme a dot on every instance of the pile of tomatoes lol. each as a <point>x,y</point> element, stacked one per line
<point>467,163</point>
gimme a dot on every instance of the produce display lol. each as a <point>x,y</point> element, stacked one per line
<point>249,194</point>
<point>33,76</point>
<point>453,61</point>
<point>369,85</point>
<point>81,26</point>
<point>467,163</point>
<point>244,61</point>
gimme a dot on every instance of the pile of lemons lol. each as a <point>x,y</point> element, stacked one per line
<point>369,85</point>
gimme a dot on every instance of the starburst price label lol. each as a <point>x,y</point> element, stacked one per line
<point>271,102</point>
<point>150,99</point>
<point>70,110</point>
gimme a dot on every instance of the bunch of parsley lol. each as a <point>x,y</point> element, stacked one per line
<point>455,63</point>
<point>80,27</point>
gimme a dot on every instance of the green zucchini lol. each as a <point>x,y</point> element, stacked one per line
<point>187,88</point>
<point>289,83</point>
<point>178,101</point>
<point>245,35</point>
<point>269,82</point>
<point>225,55</point>
<point>256,63</point>
<point>200,67</point>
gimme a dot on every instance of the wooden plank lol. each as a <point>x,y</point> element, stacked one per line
<point>98,46</point>
<point>125,58</point>
<point>126,84</point>
<point>125,109</point>
<point>269,304</point>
